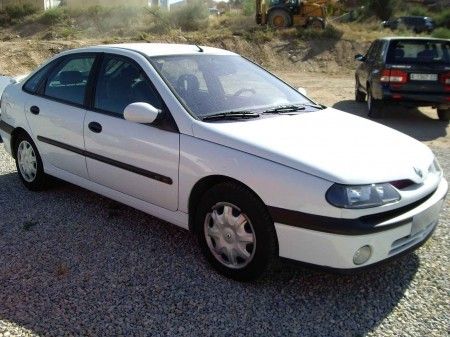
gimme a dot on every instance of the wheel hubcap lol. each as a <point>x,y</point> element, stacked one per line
<point>230,235</point>
<point>27,161</point>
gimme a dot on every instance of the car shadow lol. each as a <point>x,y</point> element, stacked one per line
<point>410,121</point>
<point>75,263</point>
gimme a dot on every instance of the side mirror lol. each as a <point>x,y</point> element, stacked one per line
<point>302,91</point>
<point>360,57</point>
<point>141,112</point>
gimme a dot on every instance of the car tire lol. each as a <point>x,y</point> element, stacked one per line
<point>235,232</point>
<point>374,106</point>
<point>359,95</point>
<point>29,163</point>
<point>443,114</point>
<point>279,18</point>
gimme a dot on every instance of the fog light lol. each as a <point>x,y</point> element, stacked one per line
<point>362,255</point>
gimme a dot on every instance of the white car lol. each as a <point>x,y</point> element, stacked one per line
<point>207,140</point>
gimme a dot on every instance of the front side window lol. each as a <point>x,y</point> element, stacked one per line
<point>210,84</point>
<point>68,81</point>
<point>31,85</point>
<point>121,83</point>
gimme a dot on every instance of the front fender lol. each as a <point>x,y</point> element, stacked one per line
<point>275,184</point>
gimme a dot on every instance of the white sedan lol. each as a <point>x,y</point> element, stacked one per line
<point>207,140</point>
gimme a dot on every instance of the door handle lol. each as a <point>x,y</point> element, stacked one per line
<point>35,110</point>
<point>95,127</point>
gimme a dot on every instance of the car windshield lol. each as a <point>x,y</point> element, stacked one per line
<point>419,52</point>
<point>212,84</point>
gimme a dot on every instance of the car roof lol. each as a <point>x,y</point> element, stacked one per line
<point>159,49</point>
<point>394,38</point>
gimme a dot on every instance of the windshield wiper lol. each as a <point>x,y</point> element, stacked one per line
<point>231,115</point>
<point>290,108</point>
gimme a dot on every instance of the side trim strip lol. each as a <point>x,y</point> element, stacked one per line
<point>364,225</point>
<point>6,127</point>
<point>109,161</point>
<point>327,224</point>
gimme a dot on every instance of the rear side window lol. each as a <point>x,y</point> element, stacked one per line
<point>68,81</point>
<point>120,83</point>
<point>33,82</point>
<point>419,52</point>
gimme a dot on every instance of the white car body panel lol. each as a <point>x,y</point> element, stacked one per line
<point>141,146</point>
<point>60,122</point>
<point>289,162</point>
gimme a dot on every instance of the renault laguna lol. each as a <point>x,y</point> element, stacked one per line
<point>207,140</point>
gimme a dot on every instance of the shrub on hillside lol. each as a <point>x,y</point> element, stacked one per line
<point>190,17</point>
<point>441,33</point>
<point>20,11</point>
<point>383,9</point>
<point>443,18</point>
<point>53,16</point>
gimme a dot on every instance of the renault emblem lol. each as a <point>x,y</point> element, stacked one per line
<point>418,172</point>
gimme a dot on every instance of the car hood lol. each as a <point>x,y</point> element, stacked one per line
<point>329,143</point>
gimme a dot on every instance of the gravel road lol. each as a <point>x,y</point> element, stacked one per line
<point>73,263</point>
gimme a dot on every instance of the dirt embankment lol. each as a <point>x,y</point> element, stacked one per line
<point>20,56</point>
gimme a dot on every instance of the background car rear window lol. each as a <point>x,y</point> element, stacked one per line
<point>68,81</point>
<point>121,83</point>
<point>419,52</point>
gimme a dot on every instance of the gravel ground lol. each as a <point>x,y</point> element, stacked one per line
<point>73,263</point>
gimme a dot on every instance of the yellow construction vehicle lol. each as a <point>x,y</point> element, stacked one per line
<point>287,13</point>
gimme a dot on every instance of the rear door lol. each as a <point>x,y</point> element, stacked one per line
<point>136,159</point>
<point>55,113</point>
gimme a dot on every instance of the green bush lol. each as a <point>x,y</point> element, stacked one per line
<point>443,18</point>
<point>418,11</point>
<point>383,9</point>
<point>190,17</point>
<point>53,16</point>
<point>20,11</point>
<point>441,33</point>
<point>249,7</point>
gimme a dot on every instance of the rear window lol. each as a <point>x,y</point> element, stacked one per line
<point>419,52</point>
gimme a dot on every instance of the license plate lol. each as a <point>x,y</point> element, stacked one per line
<point>426,218</point>
<point>424,77</point>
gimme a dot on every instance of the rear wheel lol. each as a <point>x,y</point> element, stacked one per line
<point>359,95</point>
<point>235,232</point>
<point>443,114</point>
<point>373,105</point>
<point>279,18</point>
<point>29,163</point>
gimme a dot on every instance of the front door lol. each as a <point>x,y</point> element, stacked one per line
<point>136,159</point>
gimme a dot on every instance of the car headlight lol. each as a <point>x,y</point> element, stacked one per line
<point>362,196</point>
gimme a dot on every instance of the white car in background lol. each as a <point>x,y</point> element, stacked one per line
<point>209,141</point>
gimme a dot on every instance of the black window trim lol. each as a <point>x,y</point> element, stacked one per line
<point>166,116</point>
<point>52,64</point>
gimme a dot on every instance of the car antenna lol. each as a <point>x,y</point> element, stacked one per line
<point>200,49</point>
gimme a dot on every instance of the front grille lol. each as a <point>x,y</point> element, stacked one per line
<point>410,240</point>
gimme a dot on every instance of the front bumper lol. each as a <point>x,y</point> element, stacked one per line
<point>337,250</point>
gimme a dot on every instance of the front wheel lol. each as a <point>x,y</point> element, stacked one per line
<point>235,232</point>
<point>29,163</point>
<point>443,114</point>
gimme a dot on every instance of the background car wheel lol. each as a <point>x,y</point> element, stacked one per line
<point>235,232</point>
<point>29,164</point>
<point>443,114</point>
<point>279,19</point>
<point>359,95</point>
<point>373,105</point>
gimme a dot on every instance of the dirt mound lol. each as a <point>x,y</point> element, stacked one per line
<point>19,56</point>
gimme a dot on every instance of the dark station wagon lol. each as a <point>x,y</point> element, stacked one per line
<point>412,71</point>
